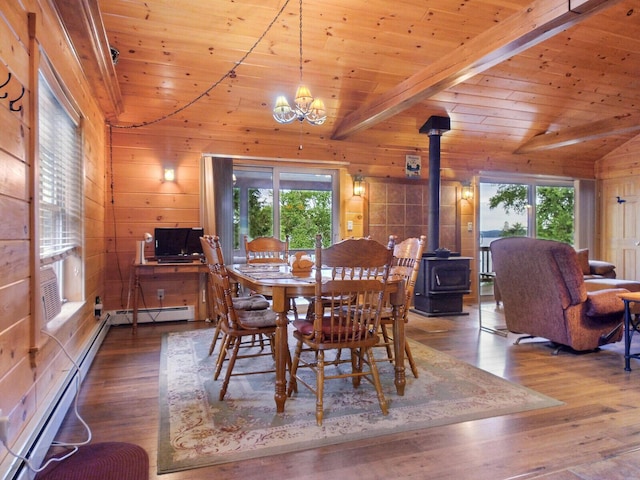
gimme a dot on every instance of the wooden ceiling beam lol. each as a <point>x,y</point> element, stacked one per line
<point>539,21</point>
<point>617,125</point>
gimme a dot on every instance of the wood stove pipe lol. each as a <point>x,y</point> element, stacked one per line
<point>434,127</point>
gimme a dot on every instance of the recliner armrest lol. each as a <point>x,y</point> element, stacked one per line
<point>605,302</point>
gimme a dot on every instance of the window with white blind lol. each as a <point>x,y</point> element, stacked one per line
<point>60,187</point>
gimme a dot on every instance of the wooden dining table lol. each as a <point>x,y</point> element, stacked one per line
<point>278,282</point>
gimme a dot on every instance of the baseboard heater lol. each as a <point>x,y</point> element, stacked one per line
<point>35,443</point>
<point>152,315</point>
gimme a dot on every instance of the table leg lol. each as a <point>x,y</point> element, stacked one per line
<point>627,336</point>
<point>282,347</point>
<point>398,350</point>
<point>136,291</point>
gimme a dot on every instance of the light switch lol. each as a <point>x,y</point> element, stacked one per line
<point>349,225</point>
<point>470,227</point>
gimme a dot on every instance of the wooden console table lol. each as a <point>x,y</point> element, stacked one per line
<point>153,268</point>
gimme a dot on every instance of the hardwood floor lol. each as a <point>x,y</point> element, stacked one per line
<point>595,435</point>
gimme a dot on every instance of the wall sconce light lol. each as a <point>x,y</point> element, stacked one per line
<point>358,185</point>
<point>169,175</point>
<point>467,192</point>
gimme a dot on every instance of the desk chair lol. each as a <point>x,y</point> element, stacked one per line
<point>359,270</point>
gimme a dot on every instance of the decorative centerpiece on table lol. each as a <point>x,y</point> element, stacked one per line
<point>301,264</point>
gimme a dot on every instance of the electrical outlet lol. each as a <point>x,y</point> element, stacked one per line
<point>4,428</point>
<point>161,294</point>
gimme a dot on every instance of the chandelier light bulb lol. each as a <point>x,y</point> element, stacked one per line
<point>282,112</point>
<point>303,100</point>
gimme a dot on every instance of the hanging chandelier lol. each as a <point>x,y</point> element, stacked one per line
<point>305,106</point>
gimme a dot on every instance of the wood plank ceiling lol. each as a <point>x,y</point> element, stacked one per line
<point>506,78</point>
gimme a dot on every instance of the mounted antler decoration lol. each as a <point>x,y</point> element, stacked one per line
<point>5,94</point>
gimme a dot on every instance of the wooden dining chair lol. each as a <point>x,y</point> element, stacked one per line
<point>359,270</point>
<point>266,250</point>
<point>214,256</point>
<point>239,327</point>
<point>406,263</point>
<point>269,250</point>
<point>311,307</point>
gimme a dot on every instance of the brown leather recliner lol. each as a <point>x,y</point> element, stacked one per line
<point>544,294</point>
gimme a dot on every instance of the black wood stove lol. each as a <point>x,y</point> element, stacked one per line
<point>441,284</point>
<point>442,279</point>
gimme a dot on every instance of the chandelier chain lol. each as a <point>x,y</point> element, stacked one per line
<point>305,106</point>
<point>300,41</point>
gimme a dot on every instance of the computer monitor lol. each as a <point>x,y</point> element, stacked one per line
<point>178,242</point>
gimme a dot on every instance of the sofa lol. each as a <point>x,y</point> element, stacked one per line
<point>594,269</point>
<point>599,275</point>
<point>544,294</point>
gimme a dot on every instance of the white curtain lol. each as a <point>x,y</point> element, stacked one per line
<point>216,201</point>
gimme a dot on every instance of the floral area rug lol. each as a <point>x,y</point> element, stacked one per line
<point>197,430</point>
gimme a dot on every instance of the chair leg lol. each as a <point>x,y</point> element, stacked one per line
<point>222,355</point>
<point>356,366</point>
<point>387,341</point>
<point>293,383</point>
<point>232,362</point>
<point>320,388</point>
<point>216,335</point>
<point>376,381</point>
<point>412,363</point>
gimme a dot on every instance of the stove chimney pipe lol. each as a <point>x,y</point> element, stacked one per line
<point>434,127</point>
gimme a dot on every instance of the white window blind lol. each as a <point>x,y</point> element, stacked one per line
<point>61,176</point>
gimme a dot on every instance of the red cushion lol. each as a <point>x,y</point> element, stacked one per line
<point>305,327</point>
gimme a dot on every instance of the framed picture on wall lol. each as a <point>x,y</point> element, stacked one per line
<point>413,165</point>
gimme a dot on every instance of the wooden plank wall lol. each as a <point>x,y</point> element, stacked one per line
<point>139,201</point>
<point>27,381</point>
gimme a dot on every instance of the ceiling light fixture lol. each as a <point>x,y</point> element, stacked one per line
<point>305,106</point>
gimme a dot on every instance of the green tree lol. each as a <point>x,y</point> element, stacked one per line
<point>554,210</point>
<point>260,212</point>
<point>554,213</point>
<point>303,214</point>
<point>515,230</point>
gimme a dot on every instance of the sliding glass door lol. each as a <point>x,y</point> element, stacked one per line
<point>285,202</point>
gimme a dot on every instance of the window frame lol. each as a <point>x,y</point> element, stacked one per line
<point>68,262</point>
<point>532,183</point>
<point>276,172</point>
